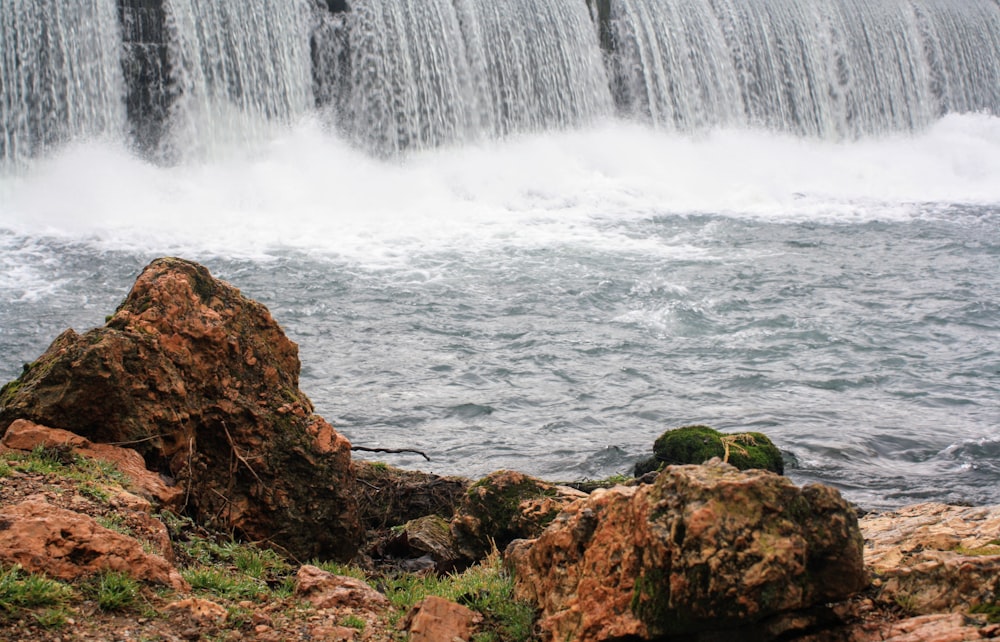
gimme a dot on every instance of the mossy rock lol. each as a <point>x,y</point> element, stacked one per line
<point>504,506</point>
<point>698,444</point>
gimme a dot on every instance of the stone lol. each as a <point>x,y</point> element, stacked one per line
<point>203,383</point>
<point>435,619</point>
<point>67,545</point>
<point>698,444</point>
<point>704,548</point>
<point>504,506</point>
<point>326,590</point>
<point>426,537</point>
<point>204,612</point>
<point>936,627</point>
<point>934,557</point>
<point>25,436</point>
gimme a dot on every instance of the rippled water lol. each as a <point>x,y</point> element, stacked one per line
<point>552,304</point>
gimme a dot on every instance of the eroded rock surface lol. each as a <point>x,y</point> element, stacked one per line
<point>203,383</point>
<point>934,557</point>
<point>704,548</point>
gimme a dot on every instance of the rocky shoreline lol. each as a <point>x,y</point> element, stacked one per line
<point>179,428</point>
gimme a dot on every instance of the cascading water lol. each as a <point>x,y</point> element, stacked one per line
<point>537,65</point>
<point>237,68</point>
<point>60,75</point>
<point>413,74</point>
<point>833,70</point>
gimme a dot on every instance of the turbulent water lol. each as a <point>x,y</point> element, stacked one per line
<point>553,303</point>
<point>502,245</point>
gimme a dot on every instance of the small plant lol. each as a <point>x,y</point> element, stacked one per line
<point>115,591</point>
<point>990,610</point>
<point>486,588</point>
<point>354,622</point>
<point>19,590</point>
<point>340,569</point>
<point>115,522</point>
<point>41,461</point>
<point>54,618</point>
<point>223,584</point>
<point>5,469</point>
<point>94,492</point>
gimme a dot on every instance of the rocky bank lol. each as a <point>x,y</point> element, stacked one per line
<point>173,442</point>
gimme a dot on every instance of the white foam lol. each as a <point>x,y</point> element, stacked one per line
<point>309,190</point>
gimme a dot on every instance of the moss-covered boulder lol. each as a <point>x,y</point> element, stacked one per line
<point>698,444</point>
<point>504,506</point>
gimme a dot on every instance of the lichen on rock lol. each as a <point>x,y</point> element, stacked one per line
<point>704,548</point>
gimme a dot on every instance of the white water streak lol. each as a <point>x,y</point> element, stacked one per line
<point>60,74</point>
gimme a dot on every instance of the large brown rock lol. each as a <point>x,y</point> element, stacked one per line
<point>67,545</point>
<point>704,548</point>
<point>204,384</point>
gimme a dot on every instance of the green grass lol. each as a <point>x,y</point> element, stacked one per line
<point>340,569</point>
<point>22,590</point>
<point>224,584</point>
<point>114,591</point>
<point>354,622</point>
<point>486,588</point>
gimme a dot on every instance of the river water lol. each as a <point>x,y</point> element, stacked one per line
<point>553,301</point>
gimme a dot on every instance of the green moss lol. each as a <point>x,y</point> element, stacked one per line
<point>651,603</point>
<point>698,444</point>
<point>991,610</point>
<point>499,504</point>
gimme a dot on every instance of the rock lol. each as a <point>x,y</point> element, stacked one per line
<point>326,590</point>
<point>435,619</point>
<point>937,627</point>
<point>67,545</point>
<point>504,506</point>
<point>204,612</point>
<point>428,538</point>
<point>704,548</point>
<point>934,557</point>
<point>25,436</point>
<point>203,383</point>
<point>698,444</point>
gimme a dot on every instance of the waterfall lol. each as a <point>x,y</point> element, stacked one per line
<point>186,78</point>
<point>835,70</point>
<point>60,75</point>
<point>237,68</point>
<point>421,73</point>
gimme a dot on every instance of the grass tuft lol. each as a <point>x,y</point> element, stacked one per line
<point>115,591</point>
<point>22,590</point>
